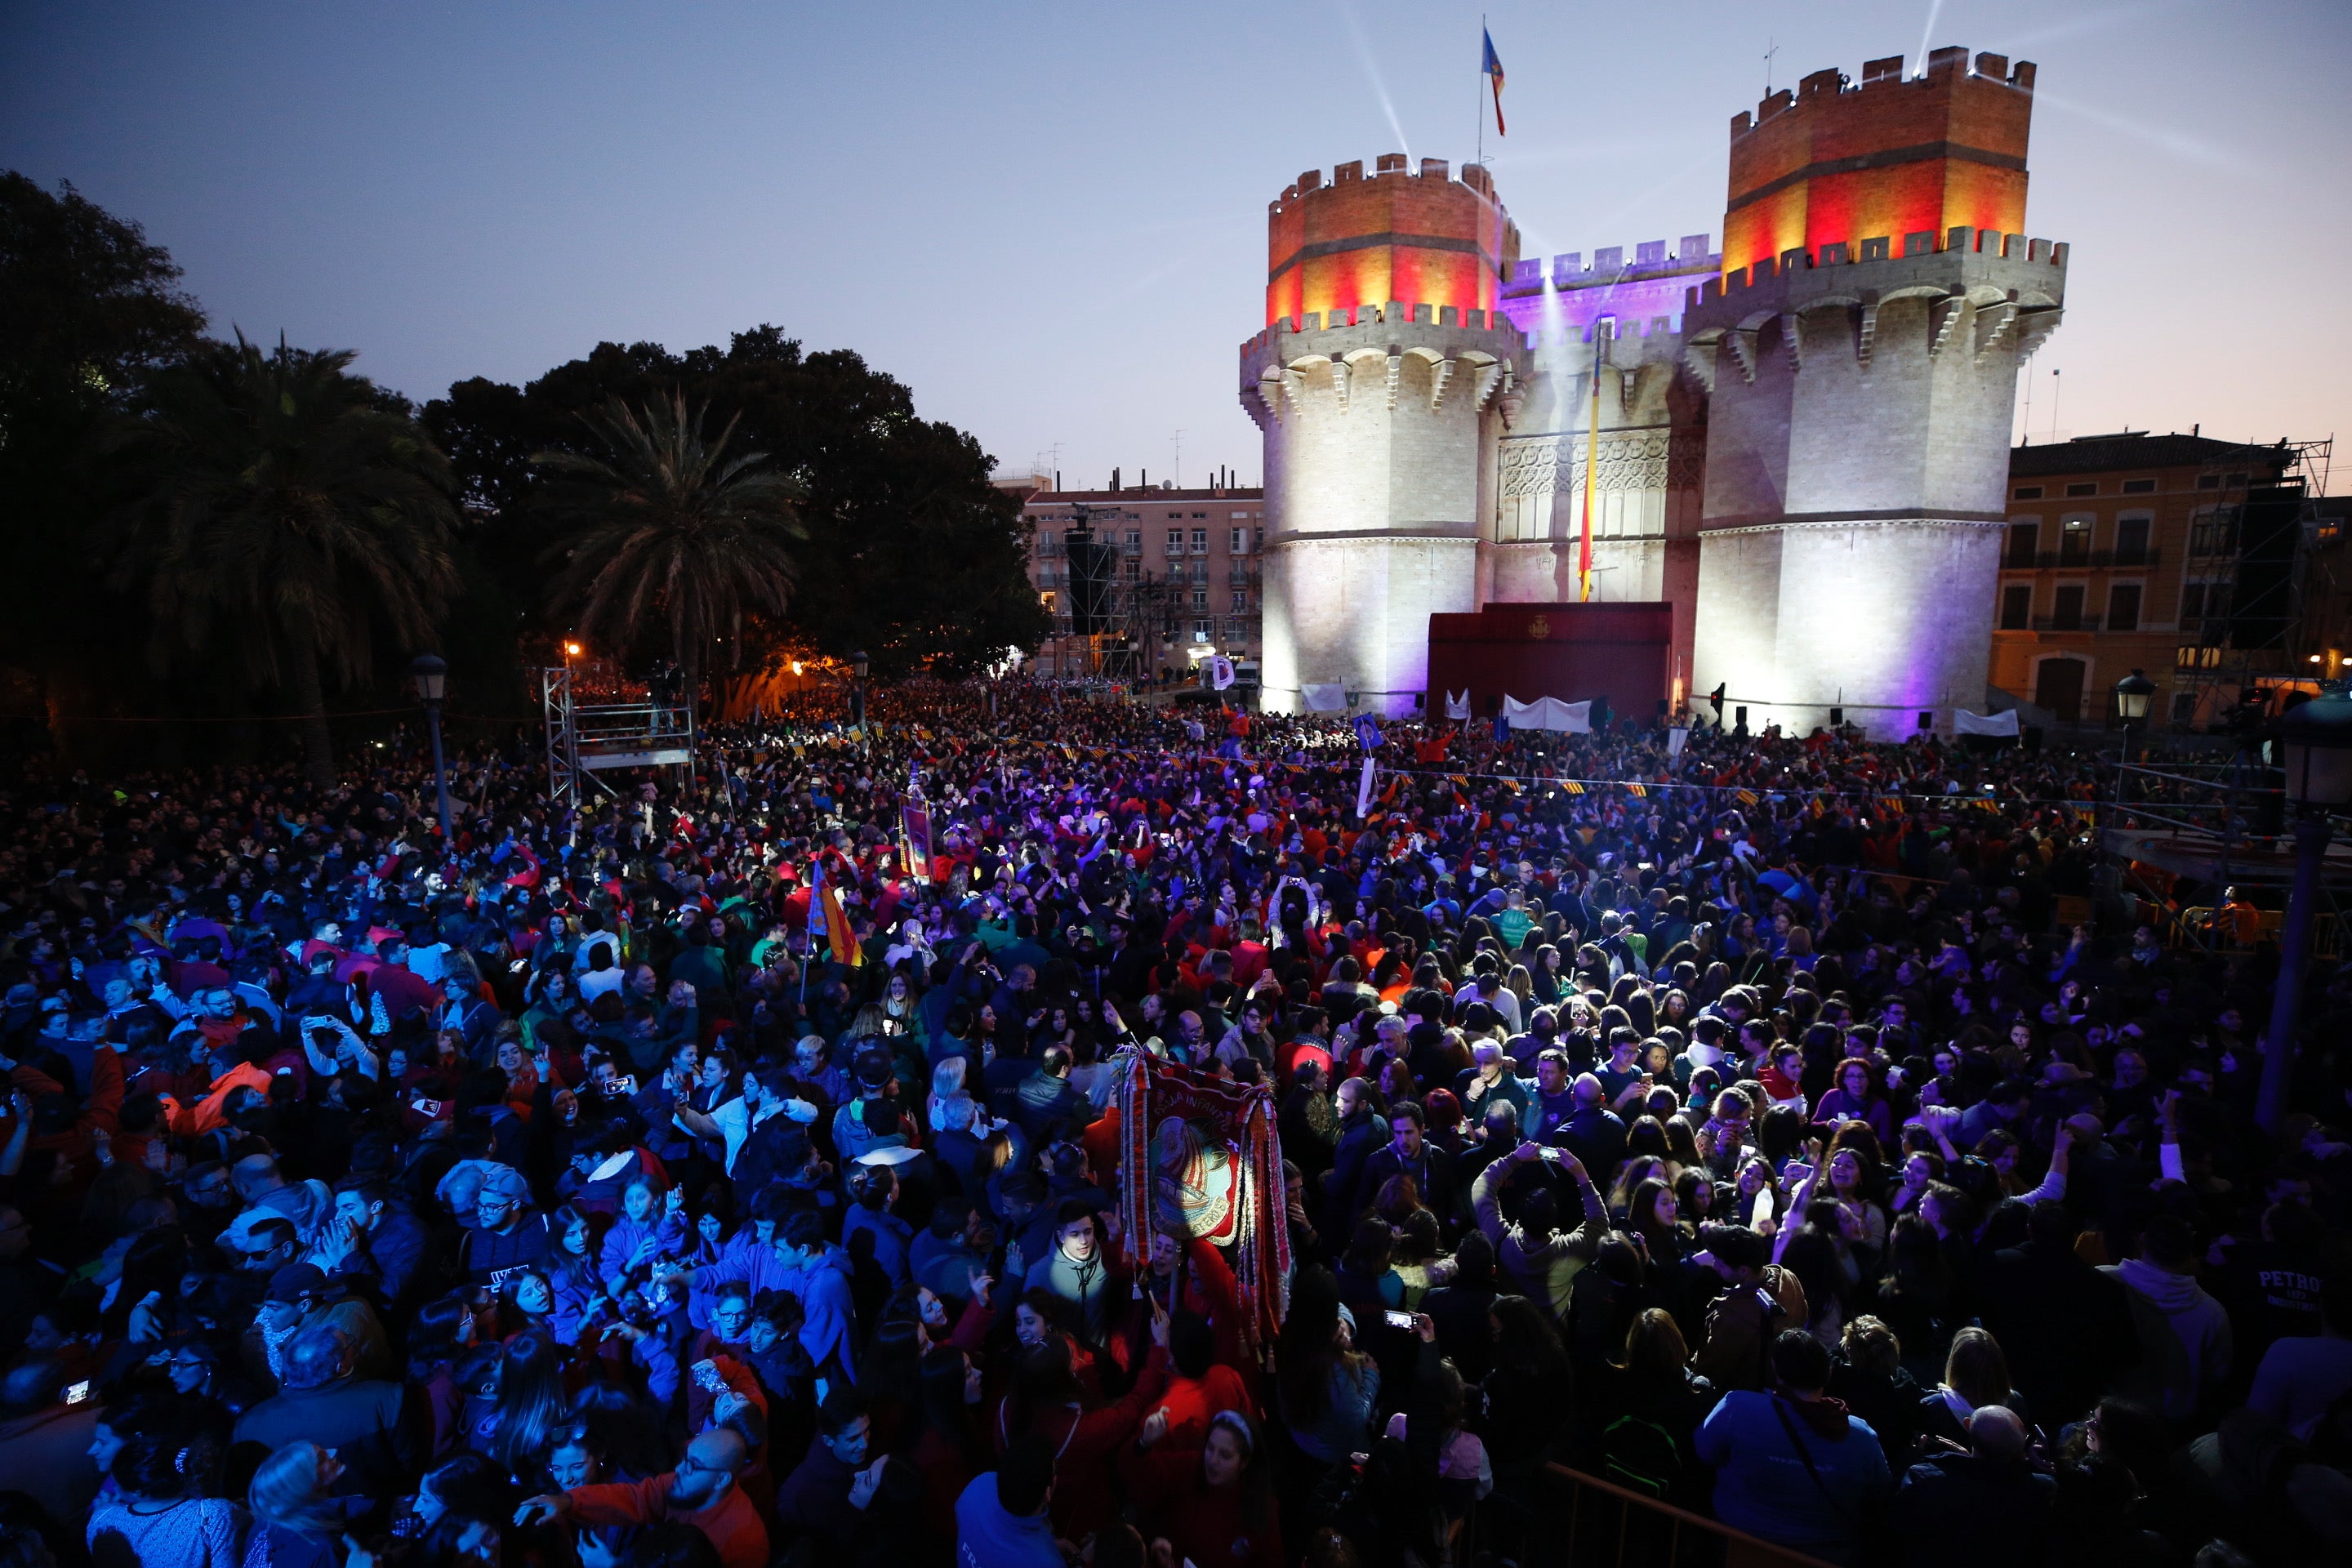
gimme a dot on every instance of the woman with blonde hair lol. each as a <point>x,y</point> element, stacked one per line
<point>1976,1374</point>
<point>297,1521</point>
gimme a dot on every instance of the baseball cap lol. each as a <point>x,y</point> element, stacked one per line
<point>504,1181</point>
<point>297,1281</point>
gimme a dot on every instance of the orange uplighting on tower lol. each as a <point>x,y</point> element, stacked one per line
<point>1416,238</point>
<point>1894,162</point>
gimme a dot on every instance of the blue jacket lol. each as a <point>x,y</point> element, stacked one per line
<point>988,1537</point>
<point>832,1322</point>
<point>1761,1485</point>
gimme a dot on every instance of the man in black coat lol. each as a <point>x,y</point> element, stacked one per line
<point>1409,1152</point>
<point>2065,1327</point>
<point>1961,1511</point>
<point>1361,1133</point>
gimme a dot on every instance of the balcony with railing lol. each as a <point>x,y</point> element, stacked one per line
<point>2126,559</point>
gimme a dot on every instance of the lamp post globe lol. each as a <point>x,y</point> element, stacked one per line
<point>432,674</point>
<point>2316,750</point>
<point>2133,694</point>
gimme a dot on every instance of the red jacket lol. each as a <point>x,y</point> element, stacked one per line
<point>1087,1444</point>
<point>732,1524</point>
<point>1207,1525</point>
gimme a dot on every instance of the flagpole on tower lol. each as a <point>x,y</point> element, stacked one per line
<point>1482,88</point>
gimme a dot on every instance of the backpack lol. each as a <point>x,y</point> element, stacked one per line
<point>1641,1455</point>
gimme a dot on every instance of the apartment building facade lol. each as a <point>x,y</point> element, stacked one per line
<point>2175,555</point>
<point>1183,579</point>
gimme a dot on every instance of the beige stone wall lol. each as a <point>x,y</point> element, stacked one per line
<point>1376,434</point>
<point>1857,469</point>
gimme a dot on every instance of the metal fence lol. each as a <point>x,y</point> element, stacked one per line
<point>1566,1519</point>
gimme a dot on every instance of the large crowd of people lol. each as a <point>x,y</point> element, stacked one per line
<point>725,1168</point>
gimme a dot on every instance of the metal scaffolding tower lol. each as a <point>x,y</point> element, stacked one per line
<point>586,738</point>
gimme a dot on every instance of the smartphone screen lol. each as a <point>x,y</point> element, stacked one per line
<point>1398,1320</point>
<point>77,1393</point>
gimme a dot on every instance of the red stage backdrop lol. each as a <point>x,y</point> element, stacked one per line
<point>1574,652</point>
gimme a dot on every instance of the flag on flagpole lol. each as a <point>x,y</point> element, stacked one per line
<point>826,906</point>
<point>1493,67</point>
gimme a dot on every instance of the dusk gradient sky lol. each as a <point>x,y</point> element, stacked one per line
<point>1049,219</point>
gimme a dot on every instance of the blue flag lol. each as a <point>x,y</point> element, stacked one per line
<point>1367,732</point>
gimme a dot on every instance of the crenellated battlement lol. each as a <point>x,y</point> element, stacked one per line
<point>2047,258</point>
<point>1388,166</point>
<point>1394,313</point>
<point>1944,67</point>
<point>1608,266</point>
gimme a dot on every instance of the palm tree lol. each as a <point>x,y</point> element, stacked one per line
<point>287,508</point>
<point>674,536</point>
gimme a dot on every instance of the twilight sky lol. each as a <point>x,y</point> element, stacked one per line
<point>1049,219</point>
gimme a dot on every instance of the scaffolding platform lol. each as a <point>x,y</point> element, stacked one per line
<point>584,739</point>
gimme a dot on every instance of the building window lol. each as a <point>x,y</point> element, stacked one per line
<point>2083,488</point>
<point>2214,533</point>
<point>1245,514</point>
<point>2184,709</point>
<point>1240,600</point>
<point>2208,481</point>
<point>2029,492</point>
<point>1200,541</point>
<point>2122,607</point>
<point>1240,542</point>
<point>1135,541</point>
<point>2066,608</point>
<point>2075,540</point>
<point>1204,630</point>
<point>1135,571</point>
<point>1199,514</point>
<point>2140,487</point>
<point>2024,537</point>
<point>1175,542</point>
<point>2131,539</point>
<point>2017,607</point>
<point>1199,598</point>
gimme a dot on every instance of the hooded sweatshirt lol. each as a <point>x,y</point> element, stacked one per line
<point>2184,1338</point>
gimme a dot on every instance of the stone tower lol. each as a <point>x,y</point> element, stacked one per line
<point>1861,355</point>
<point>1381,384</point>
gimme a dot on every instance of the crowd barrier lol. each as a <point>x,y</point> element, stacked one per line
<point>1573,1520</point>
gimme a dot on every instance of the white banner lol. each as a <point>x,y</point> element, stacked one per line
<point>1676,738</point>
<point>1457,708</point>
<point>1966,723</point>
<point>1220,673</point>
<point>1322,697</point>
<point>1364,792</point>
<point>1549,713</point>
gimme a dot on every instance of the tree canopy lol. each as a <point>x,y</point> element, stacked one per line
<point>911,554</point>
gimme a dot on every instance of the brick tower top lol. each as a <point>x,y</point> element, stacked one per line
<point>1421,239</point>
<point>1833,163</point>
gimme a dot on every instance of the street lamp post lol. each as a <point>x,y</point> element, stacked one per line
<point>432,685</point>
<point>859,664</point>
<point>2132,695</point>
<point>2315,742</point>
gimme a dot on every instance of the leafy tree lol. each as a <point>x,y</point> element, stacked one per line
<point>672,535</point>
<point>89,308</point>
<point>289,510</point>
<point>911,553</point>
